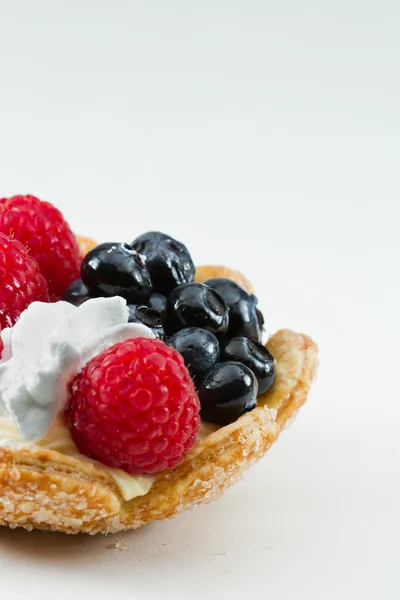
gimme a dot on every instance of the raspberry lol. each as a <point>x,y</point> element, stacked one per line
<point>21,281</point>
<point>134,407</point>
<point>48,237</point>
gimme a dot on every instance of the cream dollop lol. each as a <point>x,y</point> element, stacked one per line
<point>45,349</point>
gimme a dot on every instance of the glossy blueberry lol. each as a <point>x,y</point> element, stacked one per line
<point>255,356</point>
<point>76,293</point>
<point>226,392</point>
<point>244,317</point>
<point>157,301</point>
<point>167,260</point>
<point>196,305</point>
<point>199,348</point>
<point>150,317</point>
<point>114,269</point>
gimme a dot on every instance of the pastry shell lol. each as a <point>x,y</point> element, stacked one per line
<point>44,489</point>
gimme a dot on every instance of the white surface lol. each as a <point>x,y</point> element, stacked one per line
<point>266,136</point>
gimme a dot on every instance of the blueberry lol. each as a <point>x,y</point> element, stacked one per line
<point>199,348</point>
<point>244,317</point>
<point>76,293</point>
<point>157,301</point>
<point>226,392</point>
<point>167,260</point>
<point>114,269</point>
<point>150,317</point>
<point>196,305</point>
<point>255,356</point>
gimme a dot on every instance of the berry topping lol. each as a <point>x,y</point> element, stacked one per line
<point>168,261</point>
<point>21,281</point>
<point>227,391</point>
<point>44,232</point>
<point>199,348</point>
<point>244,317</point>
<point>150,317</point>
<point>134,407</point>
<point>76,293</point>
<point>196,305</point>
<point>114,269</point>
<point>255,356</point>
<point>157,301</point>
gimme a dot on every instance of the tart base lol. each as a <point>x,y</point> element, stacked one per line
<point>43,489</point>
<point>47,490</point>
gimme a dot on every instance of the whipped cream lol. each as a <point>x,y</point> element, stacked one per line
<point>47,347</point>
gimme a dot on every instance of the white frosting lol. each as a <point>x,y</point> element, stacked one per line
<point>45,349</point>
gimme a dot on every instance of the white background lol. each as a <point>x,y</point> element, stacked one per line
<point>265,135</point>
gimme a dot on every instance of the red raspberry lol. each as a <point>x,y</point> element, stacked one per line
<point>48,237</point>
<point>21,281</point>
<point>134,406</point>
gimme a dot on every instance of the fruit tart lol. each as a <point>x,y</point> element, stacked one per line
<point>132,384</point>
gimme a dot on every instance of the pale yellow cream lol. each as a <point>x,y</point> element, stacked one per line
<point>60,440</point>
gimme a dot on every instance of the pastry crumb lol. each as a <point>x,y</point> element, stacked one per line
<point>273,412</point>
<point>121,545</point>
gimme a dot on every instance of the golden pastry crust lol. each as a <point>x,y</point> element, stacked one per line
<point>43,489</point>
<point>296,358</point>
<point>85,244</point>
<point>209,271</point>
